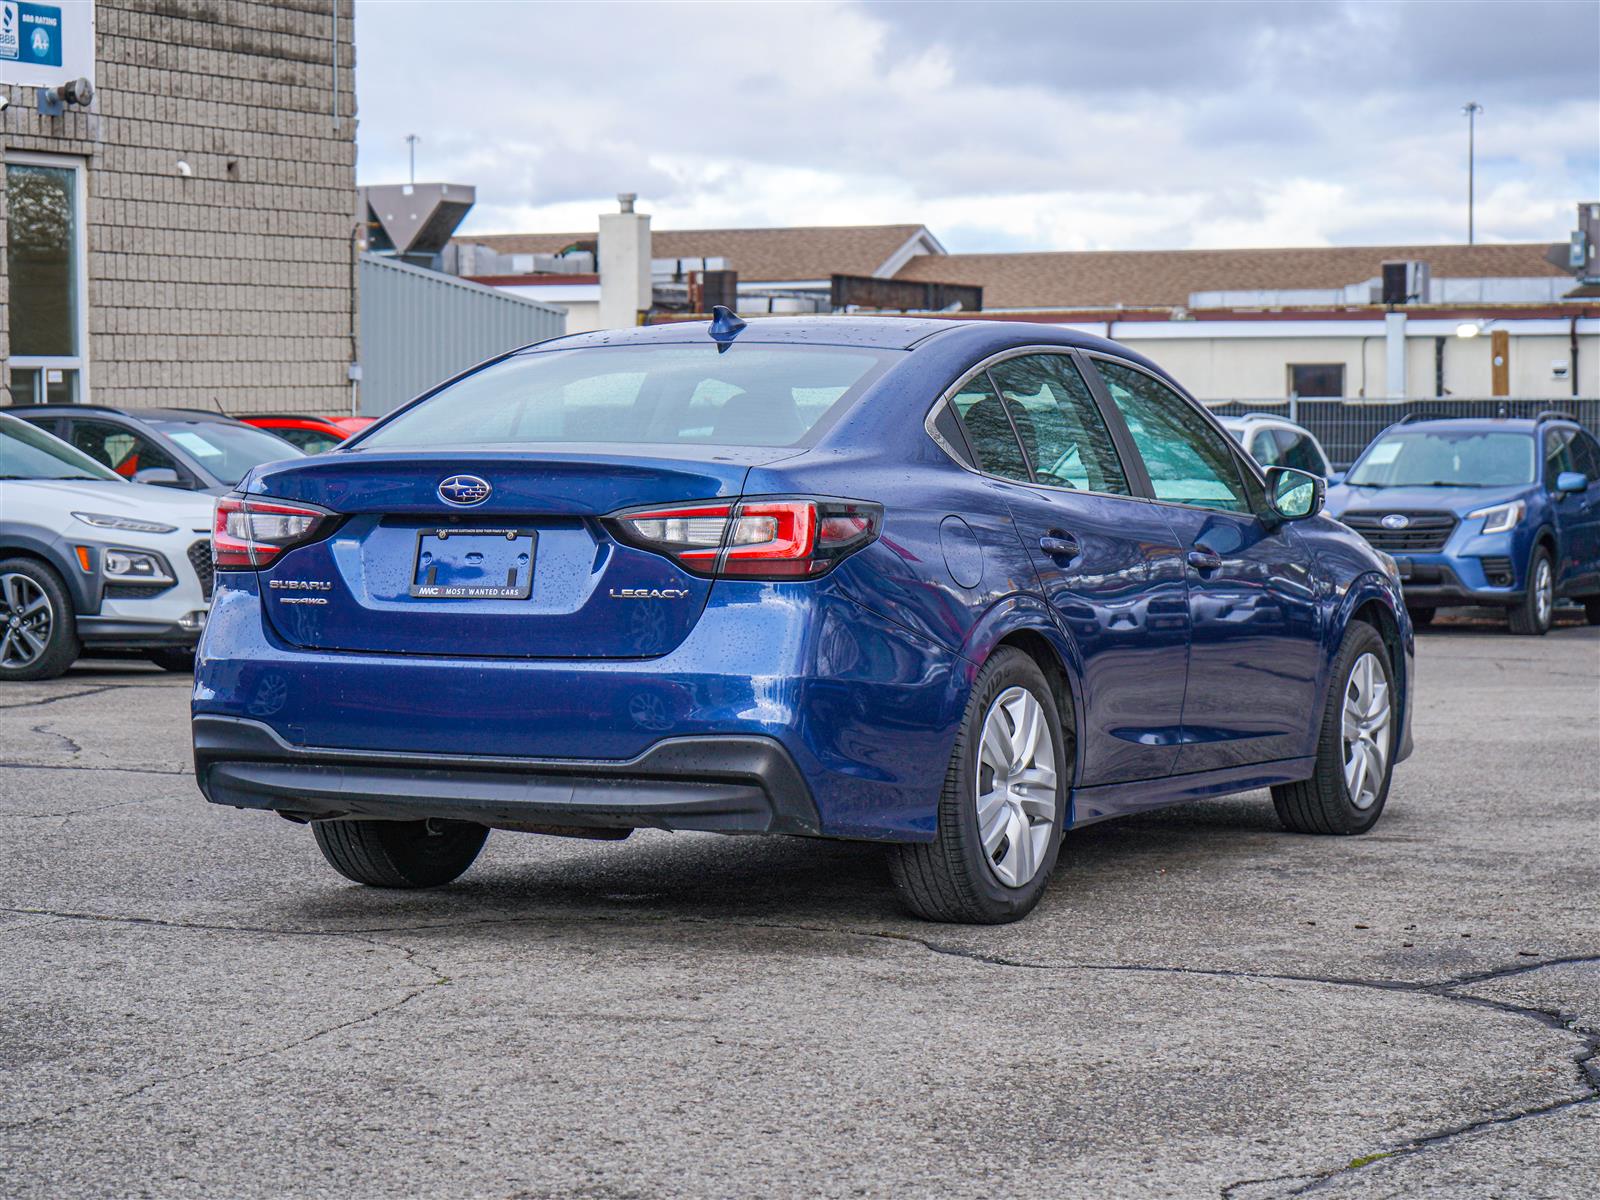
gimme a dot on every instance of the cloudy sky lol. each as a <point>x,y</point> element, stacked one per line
<point>999,125</point>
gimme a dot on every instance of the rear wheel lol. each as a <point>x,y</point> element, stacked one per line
<point>400,854</point>
<point>38,632</point>
<point>1002,807</point>
<point>1422,617</point>
<point>1534,614</point>
<point>1355,751</point>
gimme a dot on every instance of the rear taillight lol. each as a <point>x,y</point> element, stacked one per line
<point>249,533</point>
<point>759,538</point>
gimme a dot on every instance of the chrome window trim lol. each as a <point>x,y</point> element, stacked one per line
<point>929,423</point>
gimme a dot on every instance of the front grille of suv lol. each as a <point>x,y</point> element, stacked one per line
<point>200,557</point>
<point>1423,532</point>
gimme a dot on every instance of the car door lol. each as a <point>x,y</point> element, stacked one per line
<point>1107,563</point>
<point>1577,520</point>
<point>124,449</point>
<point>1255,654</point>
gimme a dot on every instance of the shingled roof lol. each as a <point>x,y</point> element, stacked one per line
<point>1167,278</point>
<point>790,253</point>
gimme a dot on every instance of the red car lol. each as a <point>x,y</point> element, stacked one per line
<point>311,434</point>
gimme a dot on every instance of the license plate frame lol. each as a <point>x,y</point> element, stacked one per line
<point>459,585</point>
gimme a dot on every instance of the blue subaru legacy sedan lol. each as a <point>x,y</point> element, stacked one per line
<point>1498,512</point>
<point>956,587</point>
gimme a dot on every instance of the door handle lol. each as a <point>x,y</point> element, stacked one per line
<point>1059,545</point>
<point>1204,560</point>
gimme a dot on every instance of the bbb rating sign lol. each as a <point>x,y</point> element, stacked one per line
<point>42,45</point>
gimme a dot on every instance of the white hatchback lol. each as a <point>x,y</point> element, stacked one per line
<point>91,561</point>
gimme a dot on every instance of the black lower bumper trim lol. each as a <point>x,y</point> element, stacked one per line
<point>723,784</point>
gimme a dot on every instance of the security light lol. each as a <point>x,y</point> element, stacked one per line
<point>1469,329</point>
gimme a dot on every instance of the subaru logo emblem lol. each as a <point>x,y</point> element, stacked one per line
<point>464,490</point>
<point>1395,521</point>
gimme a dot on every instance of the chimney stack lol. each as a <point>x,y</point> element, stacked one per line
<point>624,264</point>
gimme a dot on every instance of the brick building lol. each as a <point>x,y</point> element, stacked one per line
<point>185,238</point>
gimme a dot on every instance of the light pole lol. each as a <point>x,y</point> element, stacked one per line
<point>1472,108</point>
<point>412,140</point>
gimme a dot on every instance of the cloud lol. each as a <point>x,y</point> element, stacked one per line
<point>1002,126</point>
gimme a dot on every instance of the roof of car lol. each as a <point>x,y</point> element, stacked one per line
<point>169,414</point>
<point>1468,424</point>
<point>886,333</point>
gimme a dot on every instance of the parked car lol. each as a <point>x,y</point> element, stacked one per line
<point>950,586</point>
<point>1275,442</point>
<point>1485,511</point>
<point>91,561</point>
<point>312,434</point>
<point>174,447</point>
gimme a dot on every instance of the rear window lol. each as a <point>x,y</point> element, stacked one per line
<point>228,451</point>
<point>752,395</point>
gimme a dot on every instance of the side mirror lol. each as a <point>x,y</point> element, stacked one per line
<point>1572,481</point>
<point>160,476</point>
<point>1295,495</point>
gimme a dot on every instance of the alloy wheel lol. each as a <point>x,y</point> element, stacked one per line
<point>1544,591</point>
<point>1016,787</point>
<point>1366,731</point>
<point>27,619</point>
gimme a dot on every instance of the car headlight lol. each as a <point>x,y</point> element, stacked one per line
<point>1501,517</point>
<point>135,566</point>
<point>102,521</point>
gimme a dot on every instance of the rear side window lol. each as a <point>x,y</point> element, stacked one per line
<point>751,395</point>
<point>989,431</point>
<point>1586,456</point>
<point>1189,461</point>
<point>1066,441</point>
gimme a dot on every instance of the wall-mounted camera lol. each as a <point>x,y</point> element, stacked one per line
<point>53,101</point>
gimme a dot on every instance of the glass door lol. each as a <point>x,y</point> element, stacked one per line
<point>44,253</point>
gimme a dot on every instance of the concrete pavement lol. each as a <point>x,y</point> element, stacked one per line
<point>193,1004</point>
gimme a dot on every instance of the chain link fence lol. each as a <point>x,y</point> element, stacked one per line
<point>1344,426</point>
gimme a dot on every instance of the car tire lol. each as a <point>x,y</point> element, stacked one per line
<point>400,854</point>
<point>953,878</point>
<point>1535,612</point>
<point>38,629</point>
<point>178,661</point>
<point>1422,617</point>
<point>1329,802</point>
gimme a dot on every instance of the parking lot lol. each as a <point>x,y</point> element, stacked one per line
<point>191,1003</point>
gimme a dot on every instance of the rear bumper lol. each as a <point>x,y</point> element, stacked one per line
<point>730,784</point>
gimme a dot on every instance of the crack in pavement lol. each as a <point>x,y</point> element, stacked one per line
<point>27,766</point>
<point>43,730</point>
<point>1586,1060</point>
<point>408,957</point>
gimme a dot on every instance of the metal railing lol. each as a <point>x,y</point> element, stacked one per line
<point>1345,425</point>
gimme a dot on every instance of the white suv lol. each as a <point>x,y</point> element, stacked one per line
<point>1275,442</point>
<point>91,561</point>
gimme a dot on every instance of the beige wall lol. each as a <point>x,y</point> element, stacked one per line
<point>230,289</point>
<point>1257,368</point>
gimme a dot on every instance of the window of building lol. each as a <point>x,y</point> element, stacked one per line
<point>44,256</point>
<point>1316,379</point>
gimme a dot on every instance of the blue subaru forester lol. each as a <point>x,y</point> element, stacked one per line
<point>1495,512</point>
<point>953,586</point>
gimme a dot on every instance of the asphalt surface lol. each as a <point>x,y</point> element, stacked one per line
<point>193,1004</point>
